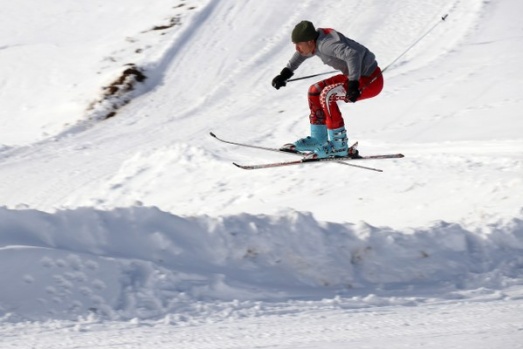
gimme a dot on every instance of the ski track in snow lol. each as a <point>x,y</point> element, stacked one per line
<point>317,324</point>
<point>136,231</point>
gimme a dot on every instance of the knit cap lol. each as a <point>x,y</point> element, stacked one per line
<point>304,31</point>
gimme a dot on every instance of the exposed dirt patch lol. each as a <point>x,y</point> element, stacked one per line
<point>125,82</point>
<point>172,22</point>
<point>118,93</point>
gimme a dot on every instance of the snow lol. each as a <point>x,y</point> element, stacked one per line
<point>125,225</point>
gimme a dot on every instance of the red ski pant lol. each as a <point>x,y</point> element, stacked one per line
<point>324,95</point>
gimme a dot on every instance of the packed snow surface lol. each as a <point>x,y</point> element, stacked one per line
<point>125,225</point>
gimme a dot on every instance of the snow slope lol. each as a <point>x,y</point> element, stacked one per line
<point>122,218</point>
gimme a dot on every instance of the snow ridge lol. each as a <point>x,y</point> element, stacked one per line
<point>141,262</point>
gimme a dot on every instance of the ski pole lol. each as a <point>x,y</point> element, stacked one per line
<point>415,43</point>
<point>404,52</point>
<point>311,76</point>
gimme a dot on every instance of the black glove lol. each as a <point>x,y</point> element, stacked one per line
<point>353,91</point>
<point>281,80</point>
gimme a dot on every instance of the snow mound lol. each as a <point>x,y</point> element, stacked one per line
<point>144,263</point>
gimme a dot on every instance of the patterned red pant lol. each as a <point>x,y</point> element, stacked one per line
<point>324,95</point>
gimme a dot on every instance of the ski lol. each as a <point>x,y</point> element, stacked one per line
<point>339,160</point>
<point>277,150</point>
<point>254,146</point>
<point>314,160</point>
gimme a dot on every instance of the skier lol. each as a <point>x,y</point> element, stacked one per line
<point>361,78</point>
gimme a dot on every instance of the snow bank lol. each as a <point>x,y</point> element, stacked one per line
<point>143,263</point>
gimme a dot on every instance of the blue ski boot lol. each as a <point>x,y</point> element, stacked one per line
<point>337,146</point>
<point>318,137</point>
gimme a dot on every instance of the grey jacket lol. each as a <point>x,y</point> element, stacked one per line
<point>336,50</point>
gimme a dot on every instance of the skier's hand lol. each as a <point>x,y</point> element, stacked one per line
<point>281,80</point>
<point>353,91</point>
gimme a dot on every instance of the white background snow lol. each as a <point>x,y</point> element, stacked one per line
<point>136,231</point>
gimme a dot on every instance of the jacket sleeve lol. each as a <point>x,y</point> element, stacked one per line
<point>295,61</point>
